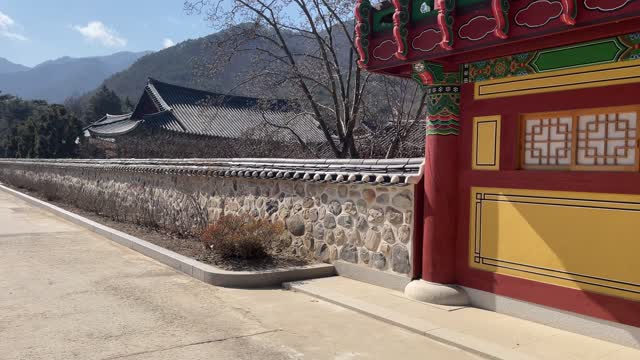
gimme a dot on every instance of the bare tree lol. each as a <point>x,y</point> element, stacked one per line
<point>396,111</point>
<point>303,42</point>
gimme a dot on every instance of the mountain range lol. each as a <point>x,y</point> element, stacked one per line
<point>7,66</point>
<point>56,80</point>
<point>190,63</point>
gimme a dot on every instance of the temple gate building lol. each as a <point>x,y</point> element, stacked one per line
<point>531,183</point>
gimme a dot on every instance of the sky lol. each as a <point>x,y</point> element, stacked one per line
<point>33,31</point>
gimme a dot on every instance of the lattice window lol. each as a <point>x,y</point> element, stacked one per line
<point>548,141</point>
<point>597,139</point>
<point>607,139</point>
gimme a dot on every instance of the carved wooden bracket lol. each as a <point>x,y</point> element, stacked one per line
<point>446,10</point>
<point>363,29</point>
<point>569,12</point>
<point>400,32</point>
<point>500,9</point>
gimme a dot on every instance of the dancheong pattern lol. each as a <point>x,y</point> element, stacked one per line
<point>611,50</point>
<point>443,108</point>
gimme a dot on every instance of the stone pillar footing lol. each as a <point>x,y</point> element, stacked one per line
<point>434,293</point>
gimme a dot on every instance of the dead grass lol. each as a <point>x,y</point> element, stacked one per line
<point>187,246</point>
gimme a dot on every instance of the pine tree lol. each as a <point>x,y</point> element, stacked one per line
<point>103,102</point>
<point>129,106</point>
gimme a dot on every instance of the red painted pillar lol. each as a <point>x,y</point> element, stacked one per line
<point>440,183</point>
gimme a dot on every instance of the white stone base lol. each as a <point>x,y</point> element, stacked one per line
<point>597,328</point>
<point>439,294</point>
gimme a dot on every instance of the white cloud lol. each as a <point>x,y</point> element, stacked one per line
<point>7,28</point>
<point>167,43</point>
<point>97,31</point>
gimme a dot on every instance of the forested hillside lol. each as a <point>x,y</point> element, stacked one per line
<point>205,63</point>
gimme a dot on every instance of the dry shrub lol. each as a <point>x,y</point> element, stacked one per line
<point>241,237</point>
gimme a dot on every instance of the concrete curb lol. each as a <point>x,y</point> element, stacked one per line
<point>462,341</point>
<point>203,272</point>
<point>368,275</point>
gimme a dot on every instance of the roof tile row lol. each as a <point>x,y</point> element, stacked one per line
<point>389,172</point>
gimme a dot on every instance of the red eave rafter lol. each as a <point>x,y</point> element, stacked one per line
<point>549,40</point>
<point>570,36</point>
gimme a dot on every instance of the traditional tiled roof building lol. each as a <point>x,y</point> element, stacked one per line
<point>184,115</point>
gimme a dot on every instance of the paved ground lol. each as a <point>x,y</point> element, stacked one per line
<point>66,293</point>
<point>484,331</point>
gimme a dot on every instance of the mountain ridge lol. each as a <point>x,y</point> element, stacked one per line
<point>7,66</point>
<point>56,80</point>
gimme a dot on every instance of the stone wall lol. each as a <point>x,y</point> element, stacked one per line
<point>367,224</point>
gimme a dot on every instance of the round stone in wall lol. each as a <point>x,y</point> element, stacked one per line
<point>372,240</point>
<point>376,216</point>
<point>335,207</point>
<point>403,200</point>
<point>385,249</point>
<point>387,234</point>
<point>341,237</point>
<point>378,261</point>
<point>364,255</point>
<point>400,259</point>
<point>349,253</point>
<point>350,208</point>
<point>369,195</point>
<point>313,214</point>
<point>345,221</point>
<point>295,225</point>
<point>302,251</point>
<point>404,233</point>
<point>283,213</point>
<point>308,242</point>
<point>330,238</point>
<point>318,231</point>
<point>394,216</point>
<point>322,253</point>
<point>321,213</point>
<point>287,202</point>
<point>333,253</point>
<point>329,221</point>
<point>362,223</point>
<point>362,206</point>
<point>307,202</point>
<point>324,198</point>
<point>382,199</point>
<point>355,238</point>
<point>271,206</point>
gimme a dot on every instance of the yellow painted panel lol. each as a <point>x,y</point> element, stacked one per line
<point>486,143</point>
<point>578,240</point>
<point>579,78</point>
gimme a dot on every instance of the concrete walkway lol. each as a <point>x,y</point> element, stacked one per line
<point>481,331</point>
<point>66,293</point>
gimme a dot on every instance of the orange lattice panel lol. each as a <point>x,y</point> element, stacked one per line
<point>607,139</point>
<point>548,141</point>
